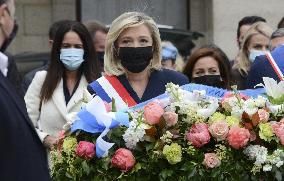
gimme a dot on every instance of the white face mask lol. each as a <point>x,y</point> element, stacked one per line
<point>72,58</point>
<point>254,53</point>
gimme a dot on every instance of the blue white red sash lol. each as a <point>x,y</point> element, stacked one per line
<point>276,60</point>
<point>108,87</point>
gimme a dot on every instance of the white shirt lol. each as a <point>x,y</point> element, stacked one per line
<point>3,64</point>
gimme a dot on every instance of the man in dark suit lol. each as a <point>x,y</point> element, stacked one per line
<point>261,66</point>
<point>22,156</point>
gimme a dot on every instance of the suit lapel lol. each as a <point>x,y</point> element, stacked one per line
<point>59,99</point>
<point>78,95</point>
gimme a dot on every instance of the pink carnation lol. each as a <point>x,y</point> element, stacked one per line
<point>198,135</point>
<point>123,159</point>
<point>238,137</point>
<point>263,115</point>
<point>153,111</point>
<point>85,149</point>
<point>278,129</point>
<point>211,160</point>
<point>219,130</point>
<point>171,118</point>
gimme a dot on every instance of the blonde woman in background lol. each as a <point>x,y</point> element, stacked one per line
<point>132,66</point>
<point>254,43</point>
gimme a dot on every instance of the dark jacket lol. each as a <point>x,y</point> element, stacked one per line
<point>22,155</point>
<point>260,68</point>
<point>14,76</point>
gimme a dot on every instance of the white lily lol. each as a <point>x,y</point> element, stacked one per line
<point>272,88</point>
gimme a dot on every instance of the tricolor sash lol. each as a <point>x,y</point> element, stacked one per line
<point>276,60</point>
<point>108,87</point>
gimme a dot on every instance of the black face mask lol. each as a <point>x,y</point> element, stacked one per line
<point>10,38</point>
<point>211,80</point>
<point>100,57</point>
<point>134,59</point>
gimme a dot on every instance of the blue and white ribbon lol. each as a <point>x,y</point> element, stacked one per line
<point>210,91</point>
<point>95,119</point>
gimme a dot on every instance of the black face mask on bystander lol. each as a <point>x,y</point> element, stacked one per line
<point>135,59</point>
<point>211,80</point>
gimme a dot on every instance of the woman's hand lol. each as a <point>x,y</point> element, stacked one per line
<point>50,142</point>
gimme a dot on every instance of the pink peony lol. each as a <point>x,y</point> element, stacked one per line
<point>219,130</point>
<point>171,118</point>
<point>198,135</point>
<point>238,137</point>
<point>278,129</point>
<point>85,149</point>
<point>153,111</point>
<point>263,115</point>
<point>123,159</point>
<point>211,160</point>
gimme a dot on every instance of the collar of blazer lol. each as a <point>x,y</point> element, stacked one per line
<point>59,100</point>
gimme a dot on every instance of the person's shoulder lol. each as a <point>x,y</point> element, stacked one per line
<point>173,76</point>
<point>40,74</point>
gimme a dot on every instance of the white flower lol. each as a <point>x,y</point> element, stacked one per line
<point>279,164</point>
<point>272,88</point>
<point>70,118</point>
<point>250,107</point>
<point>267,168</point>
<point>260,101</point>
<point>134,133</point>
<point>257,153</point>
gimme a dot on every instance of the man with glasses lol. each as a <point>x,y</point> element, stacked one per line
<point>22,155</point>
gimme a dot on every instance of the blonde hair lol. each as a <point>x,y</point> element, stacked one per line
<point>112,65</point>
<point>242,60</point>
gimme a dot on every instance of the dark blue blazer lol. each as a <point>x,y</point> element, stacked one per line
<point>22,155</point>
<point>260,68</point>
<point>156,85</point>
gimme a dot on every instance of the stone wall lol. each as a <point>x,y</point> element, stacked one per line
<point>34,18</point>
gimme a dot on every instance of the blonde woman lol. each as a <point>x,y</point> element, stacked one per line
<point>254,43</point>
<point>132,67</point>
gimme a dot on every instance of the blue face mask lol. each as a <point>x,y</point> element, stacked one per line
<point>72,58</point>
<point>254,53</point>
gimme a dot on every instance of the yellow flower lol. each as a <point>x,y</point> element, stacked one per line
<point>69,145</point>
<point>266,132</point>
<point>216,117</point>
<point>173,153</point>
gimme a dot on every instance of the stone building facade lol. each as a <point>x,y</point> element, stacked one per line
<point>216,19</point>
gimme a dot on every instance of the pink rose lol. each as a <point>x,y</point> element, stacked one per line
<point>198,135</point>
<point>153,111</point>
<point>263,115</point>
<point>123,159</point>
<point>171,118</point>
<point>85,149</point>
<point>211,160</point>
<point>278,129</point>
<point>219,130</point>
<point>238,137</point>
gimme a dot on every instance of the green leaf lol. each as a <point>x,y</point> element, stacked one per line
<point>165,174</point>
<point>278,175</point>
<point>86,167</point>
<point>113,107</point>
